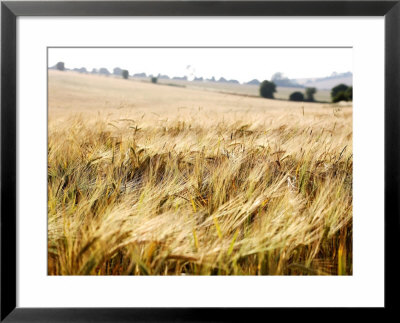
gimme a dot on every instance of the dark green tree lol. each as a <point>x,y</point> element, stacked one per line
<point>125,74</point>
<point>338,88</point>
<point>310,91</point>
<point>341,96</point>
<point>349,93</point>
<point>267,89</point>
<point>60,66</point>
<point>342,92</point>
<point>153,79</point>
<point>296,96</point>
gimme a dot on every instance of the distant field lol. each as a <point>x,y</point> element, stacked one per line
<point>150,179</point>
<point>73,92</point>
<point>282,93</point>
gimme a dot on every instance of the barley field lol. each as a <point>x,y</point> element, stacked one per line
<point>150,179</point>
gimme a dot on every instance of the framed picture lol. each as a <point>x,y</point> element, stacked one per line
<point>197,160</point>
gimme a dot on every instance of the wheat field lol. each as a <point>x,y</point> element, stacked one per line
<point>150,179</point>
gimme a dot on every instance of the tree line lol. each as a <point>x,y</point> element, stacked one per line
<point>341,92</point>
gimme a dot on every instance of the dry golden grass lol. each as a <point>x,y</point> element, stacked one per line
<point>148,179</point>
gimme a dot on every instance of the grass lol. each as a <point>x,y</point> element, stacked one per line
<point>157,188</point>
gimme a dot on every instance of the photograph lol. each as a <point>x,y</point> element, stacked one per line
<point>181,161</point>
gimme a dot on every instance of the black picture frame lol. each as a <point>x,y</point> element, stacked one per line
<point>9,13</point>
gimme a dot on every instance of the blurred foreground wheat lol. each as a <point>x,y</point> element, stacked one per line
<point>201,193</point>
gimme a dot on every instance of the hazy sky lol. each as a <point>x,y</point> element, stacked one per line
<point>242,64</point>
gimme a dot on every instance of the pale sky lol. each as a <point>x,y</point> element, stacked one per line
<point>242,64</point>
